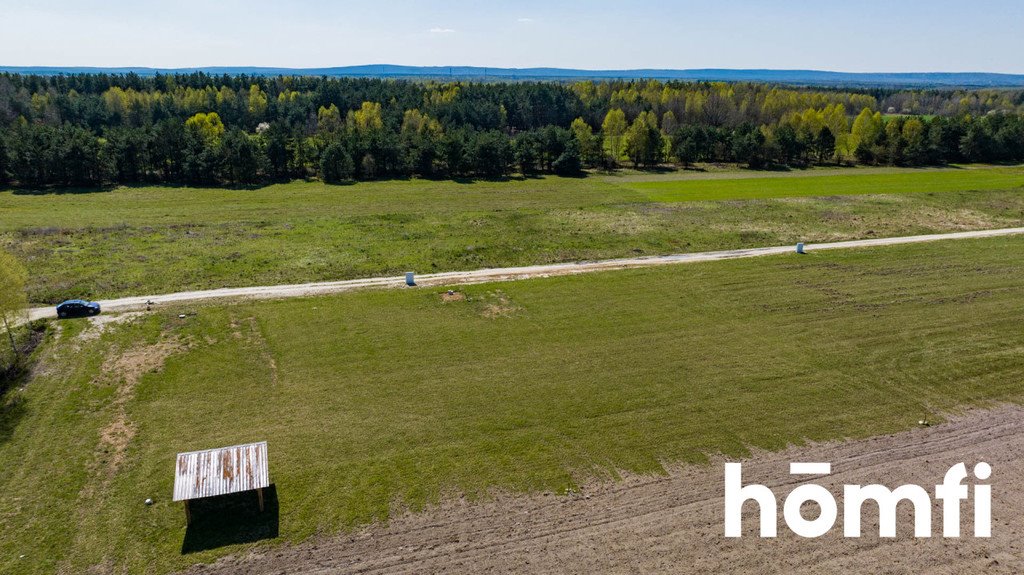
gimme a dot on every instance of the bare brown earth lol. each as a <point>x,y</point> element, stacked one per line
<point>129,367</point>
<point>674,523</point>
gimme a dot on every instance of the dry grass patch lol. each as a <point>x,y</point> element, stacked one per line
<point>127,368</point>
<point>498,304</point>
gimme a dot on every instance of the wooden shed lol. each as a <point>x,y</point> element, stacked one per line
<point>221,471</point>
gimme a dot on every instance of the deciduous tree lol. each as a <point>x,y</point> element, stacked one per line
<point>644,143</point>
<point>614,128</point>
<point>209,127</point>
<point>589,146</point>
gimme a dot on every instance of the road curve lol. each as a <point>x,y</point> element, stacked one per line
<point>501,274</point>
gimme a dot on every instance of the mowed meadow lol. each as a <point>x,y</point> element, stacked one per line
<point>380,400</point>
<point>150,240</point>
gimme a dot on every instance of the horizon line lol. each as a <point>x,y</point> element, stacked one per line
<point>484,67</point>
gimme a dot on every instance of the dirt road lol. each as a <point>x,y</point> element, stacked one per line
<point>674,524</point>
<point>501,274</point>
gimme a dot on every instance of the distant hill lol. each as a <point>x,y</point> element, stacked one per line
<point>796,77</point>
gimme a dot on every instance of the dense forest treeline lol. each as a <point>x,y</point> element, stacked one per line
<point>93,129</point>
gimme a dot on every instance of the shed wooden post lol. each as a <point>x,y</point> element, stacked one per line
<point>188,514</point>
<point>259,493</point>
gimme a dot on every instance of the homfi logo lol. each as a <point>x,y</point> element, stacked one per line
<point>951,492</point>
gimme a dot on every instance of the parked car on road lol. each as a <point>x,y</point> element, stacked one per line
<point>77,308</point>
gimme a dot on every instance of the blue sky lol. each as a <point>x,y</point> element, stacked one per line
<point>870,35</point>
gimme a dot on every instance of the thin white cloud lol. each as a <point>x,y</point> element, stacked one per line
<point>442,31</point>
<point>524,20</point>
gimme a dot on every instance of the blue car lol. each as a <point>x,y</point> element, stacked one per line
<point>77,308</point>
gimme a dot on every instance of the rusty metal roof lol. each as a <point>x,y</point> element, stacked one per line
<point>221,471</point>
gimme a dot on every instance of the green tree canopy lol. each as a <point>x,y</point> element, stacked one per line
<point>589,145</point>
<point>328,120</point>
<point>867,128</point>
<point>257,102</point>
<point>367,119</point>
<point>644,142</point>
<point>336,164</point>
<point>209,127</point>
<point>825,144</point>
<point>614,128</point>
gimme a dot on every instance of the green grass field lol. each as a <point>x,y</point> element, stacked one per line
<point>831,185</point>
<point>133,241</point>
<point>377,399</point>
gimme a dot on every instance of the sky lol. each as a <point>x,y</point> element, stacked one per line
<point>848,36</point>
